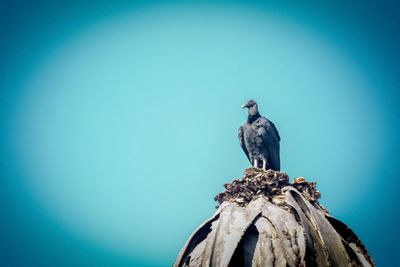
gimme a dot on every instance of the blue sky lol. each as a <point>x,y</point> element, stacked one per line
<point>119,121</point>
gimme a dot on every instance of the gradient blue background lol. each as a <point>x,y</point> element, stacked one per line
<point>119,121</point>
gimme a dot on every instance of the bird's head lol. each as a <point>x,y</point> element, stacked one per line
<point>250,104</point>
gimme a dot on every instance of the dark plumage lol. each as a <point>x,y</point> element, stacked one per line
<point>259,139</point>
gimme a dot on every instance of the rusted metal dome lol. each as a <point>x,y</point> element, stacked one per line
<point>265,221</point>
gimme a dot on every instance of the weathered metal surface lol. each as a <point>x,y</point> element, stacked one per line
<point>288,229</point>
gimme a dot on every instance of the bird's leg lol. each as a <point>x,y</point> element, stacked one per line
<point>264,164</point>
<point>255,163</point>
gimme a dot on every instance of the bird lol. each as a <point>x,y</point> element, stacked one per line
<point>259,139</point>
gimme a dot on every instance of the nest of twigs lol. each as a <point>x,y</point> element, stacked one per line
<point>258,182</point>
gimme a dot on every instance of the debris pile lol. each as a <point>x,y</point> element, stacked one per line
<point>307,189</point>
<point>258,182</point>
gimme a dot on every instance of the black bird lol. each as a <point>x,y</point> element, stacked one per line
<point>259,139</point>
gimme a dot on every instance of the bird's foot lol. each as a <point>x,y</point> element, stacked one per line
<point>264,165</point>
<point>255,163</point>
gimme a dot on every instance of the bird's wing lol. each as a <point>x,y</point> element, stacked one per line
<point>241,141</point>
<point>267,131</point>
<point>270,137</point>
<point>275,130</point>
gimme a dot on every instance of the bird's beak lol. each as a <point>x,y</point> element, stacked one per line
<point>243,106</point>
